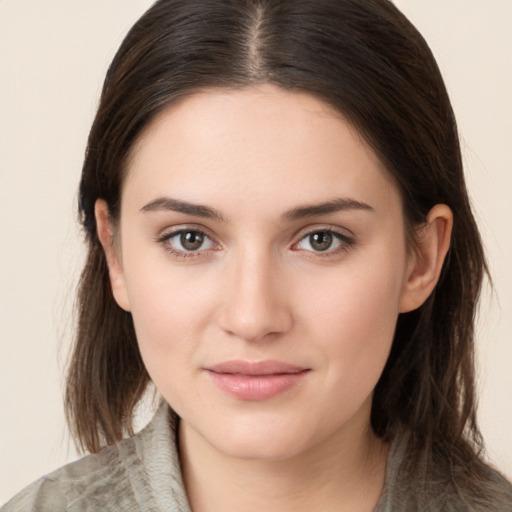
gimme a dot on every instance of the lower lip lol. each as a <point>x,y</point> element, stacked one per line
<point>256,387</point>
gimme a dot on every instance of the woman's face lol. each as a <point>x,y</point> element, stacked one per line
<point>262,255</point>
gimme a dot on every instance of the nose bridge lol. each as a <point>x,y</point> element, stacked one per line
<point>255,303</point>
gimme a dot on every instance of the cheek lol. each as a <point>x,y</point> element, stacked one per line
<point>169,310</point>
<point>354,319</point>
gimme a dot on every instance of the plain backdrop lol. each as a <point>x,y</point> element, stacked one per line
<point>53,56</point>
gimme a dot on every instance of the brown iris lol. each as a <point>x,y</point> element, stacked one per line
<point>191,240</point>
<point>321,241</point>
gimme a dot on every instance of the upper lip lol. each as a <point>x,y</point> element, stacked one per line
<point>268,367</point>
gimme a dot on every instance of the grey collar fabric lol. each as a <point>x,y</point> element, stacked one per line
<point>141,473</point>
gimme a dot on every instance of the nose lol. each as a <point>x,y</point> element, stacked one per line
<point>255,304</point>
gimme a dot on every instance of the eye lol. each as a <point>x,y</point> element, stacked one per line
<point>324,241</point>
<point>187,241</point>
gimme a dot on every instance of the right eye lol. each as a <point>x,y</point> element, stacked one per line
<point>187,242</point>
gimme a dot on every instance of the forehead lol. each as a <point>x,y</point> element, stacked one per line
<point>256,142</point>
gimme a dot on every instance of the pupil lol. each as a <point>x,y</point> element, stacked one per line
<point>191,240</point>
<point>321,241</point>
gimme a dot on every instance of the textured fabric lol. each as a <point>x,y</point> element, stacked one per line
<point>411,487</point>
<point>142,473</point>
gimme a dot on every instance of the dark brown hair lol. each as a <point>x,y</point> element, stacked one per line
<point>364,58</point>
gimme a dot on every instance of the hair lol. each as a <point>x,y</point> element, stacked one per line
<point>364,58</point>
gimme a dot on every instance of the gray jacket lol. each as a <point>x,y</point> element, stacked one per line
<point>142,473</point>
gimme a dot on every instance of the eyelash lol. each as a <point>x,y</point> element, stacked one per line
<point>345,243</point>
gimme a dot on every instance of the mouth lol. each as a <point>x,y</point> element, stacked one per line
<point>256,381</point>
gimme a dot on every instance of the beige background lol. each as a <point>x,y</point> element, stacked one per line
<point>53,56</point>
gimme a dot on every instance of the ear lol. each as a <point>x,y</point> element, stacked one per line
<point>112,251</point>
<point>426,259</point>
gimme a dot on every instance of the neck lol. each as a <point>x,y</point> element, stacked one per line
<point>343,472</point>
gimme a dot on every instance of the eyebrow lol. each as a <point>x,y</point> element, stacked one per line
<point>297,213</point>
<point>324,208</point>
<point>176,205</point>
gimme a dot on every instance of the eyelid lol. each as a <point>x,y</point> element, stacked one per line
<point>169,231</point>
<point>337,230</point>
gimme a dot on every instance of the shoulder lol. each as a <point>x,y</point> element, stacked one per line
<point>79,481</point>
<point>492,494</point>
<point>425,485</point>
<point>119,477</point>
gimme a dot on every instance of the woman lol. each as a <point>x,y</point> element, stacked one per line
<point>280,240</point>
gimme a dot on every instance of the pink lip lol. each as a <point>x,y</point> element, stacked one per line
<point>255,380</point>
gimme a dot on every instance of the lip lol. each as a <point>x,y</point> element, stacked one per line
<point>258,380</point>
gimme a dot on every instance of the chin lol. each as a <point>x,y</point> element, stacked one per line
<point>262,448</point>
<point>259,438</point>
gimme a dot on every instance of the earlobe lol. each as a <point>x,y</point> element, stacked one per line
<point>427,258</point>
<point>106,237</point>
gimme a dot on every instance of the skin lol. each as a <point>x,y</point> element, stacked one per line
<point>258,289</point>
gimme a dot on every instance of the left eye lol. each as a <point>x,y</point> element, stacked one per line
<point>321,241</point>
<point>188,240</point>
